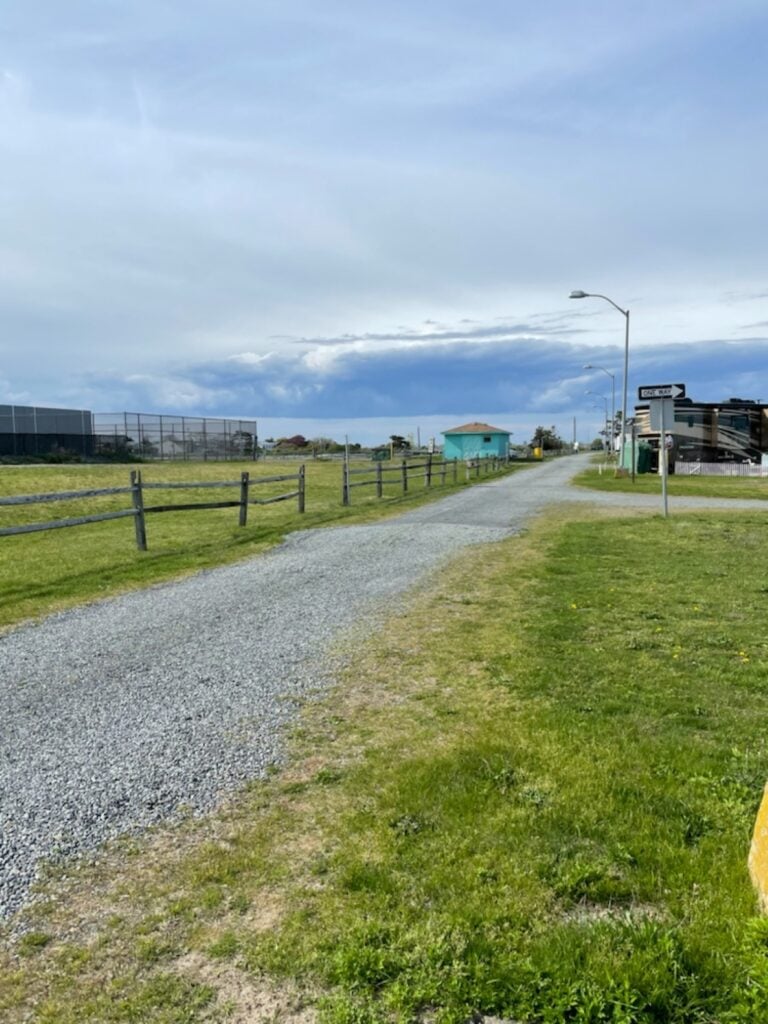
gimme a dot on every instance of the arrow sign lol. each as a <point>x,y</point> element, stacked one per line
<point>661,391</point>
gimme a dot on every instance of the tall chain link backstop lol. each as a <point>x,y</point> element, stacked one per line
<point>161,436</point>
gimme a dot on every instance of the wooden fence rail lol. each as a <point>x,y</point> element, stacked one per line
<point>408,470</point>
<point>36,499</point>
<point>140,509</point>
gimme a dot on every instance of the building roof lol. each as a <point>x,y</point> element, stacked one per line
<point>475,428</point>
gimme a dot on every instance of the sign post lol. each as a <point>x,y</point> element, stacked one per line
<point>663,460</point>
<point>655,407</point>
<point>661,400</point>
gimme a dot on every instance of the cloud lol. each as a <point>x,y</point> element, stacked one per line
<point>537,377</point>
<point>231,207</point>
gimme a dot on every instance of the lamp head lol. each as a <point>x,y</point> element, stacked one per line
<point>578,294</point>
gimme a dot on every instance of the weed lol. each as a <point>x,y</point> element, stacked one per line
<point>225,947</point>
<point>31,942</point>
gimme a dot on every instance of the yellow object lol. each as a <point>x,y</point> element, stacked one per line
<point>537,453</point>
<point>758,854</point>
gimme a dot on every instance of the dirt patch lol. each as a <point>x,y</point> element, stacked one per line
<point>247,1000</point>
<point>264,914</point>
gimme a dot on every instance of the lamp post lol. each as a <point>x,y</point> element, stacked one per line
<point>589,366</point>
<point>578,294</point>
<point>604,400</point>
<point>604,431</point>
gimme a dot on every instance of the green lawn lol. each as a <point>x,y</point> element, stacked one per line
<point>601,477</point>
<point>42,572</point>
<point>530,797</point>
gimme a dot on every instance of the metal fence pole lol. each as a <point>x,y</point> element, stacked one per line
<point>379,480</point>
<point>302,486</point>
<point>405,475</point>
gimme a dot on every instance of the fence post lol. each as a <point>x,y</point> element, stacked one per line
<point>243,498</point>
<point>477,468</point>
<point>137,498</point>
<point>443,468</point>
<point>405,475</point>
<point>379,480</point>
<point>428,473</point>
<point>455,470</point>
<point>301,488</point>
<point>344,484</point>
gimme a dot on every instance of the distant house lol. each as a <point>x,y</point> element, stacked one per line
<point>475,440</point>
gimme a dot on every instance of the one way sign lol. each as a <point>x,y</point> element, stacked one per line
<point>652,391</point>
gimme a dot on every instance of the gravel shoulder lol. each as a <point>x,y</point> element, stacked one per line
<point>117,715</point>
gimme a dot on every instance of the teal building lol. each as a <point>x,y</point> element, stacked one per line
<point>475,440</point>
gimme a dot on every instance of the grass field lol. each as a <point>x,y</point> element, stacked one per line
<point>47,571</point>
<point>650,483</point>
<point>530,797</point>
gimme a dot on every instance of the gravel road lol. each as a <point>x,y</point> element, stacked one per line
<point>116,715</point>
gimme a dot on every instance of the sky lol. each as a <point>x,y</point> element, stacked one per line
<point>366,218</point>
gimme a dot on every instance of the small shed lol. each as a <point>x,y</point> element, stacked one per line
<point>475,440</point>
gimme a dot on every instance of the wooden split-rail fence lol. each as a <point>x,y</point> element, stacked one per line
<point>139,509</point>
<point>427,471</point>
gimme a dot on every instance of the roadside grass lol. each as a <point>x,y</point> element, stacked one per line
<point>530,797</point>
<point>600,477</point>
<point>49,571</point>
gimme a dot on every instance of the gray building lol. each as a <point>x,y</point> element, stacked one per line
<point>30,430</point>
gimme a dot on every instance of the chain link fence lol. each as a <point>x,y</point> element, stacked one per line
<point>161,436</point>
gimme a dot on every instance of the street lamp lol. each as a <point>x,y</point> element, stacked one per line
<point>579,294</point>
<point>604,430</point>
<point>604,400</point>
<point>589,366</point>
